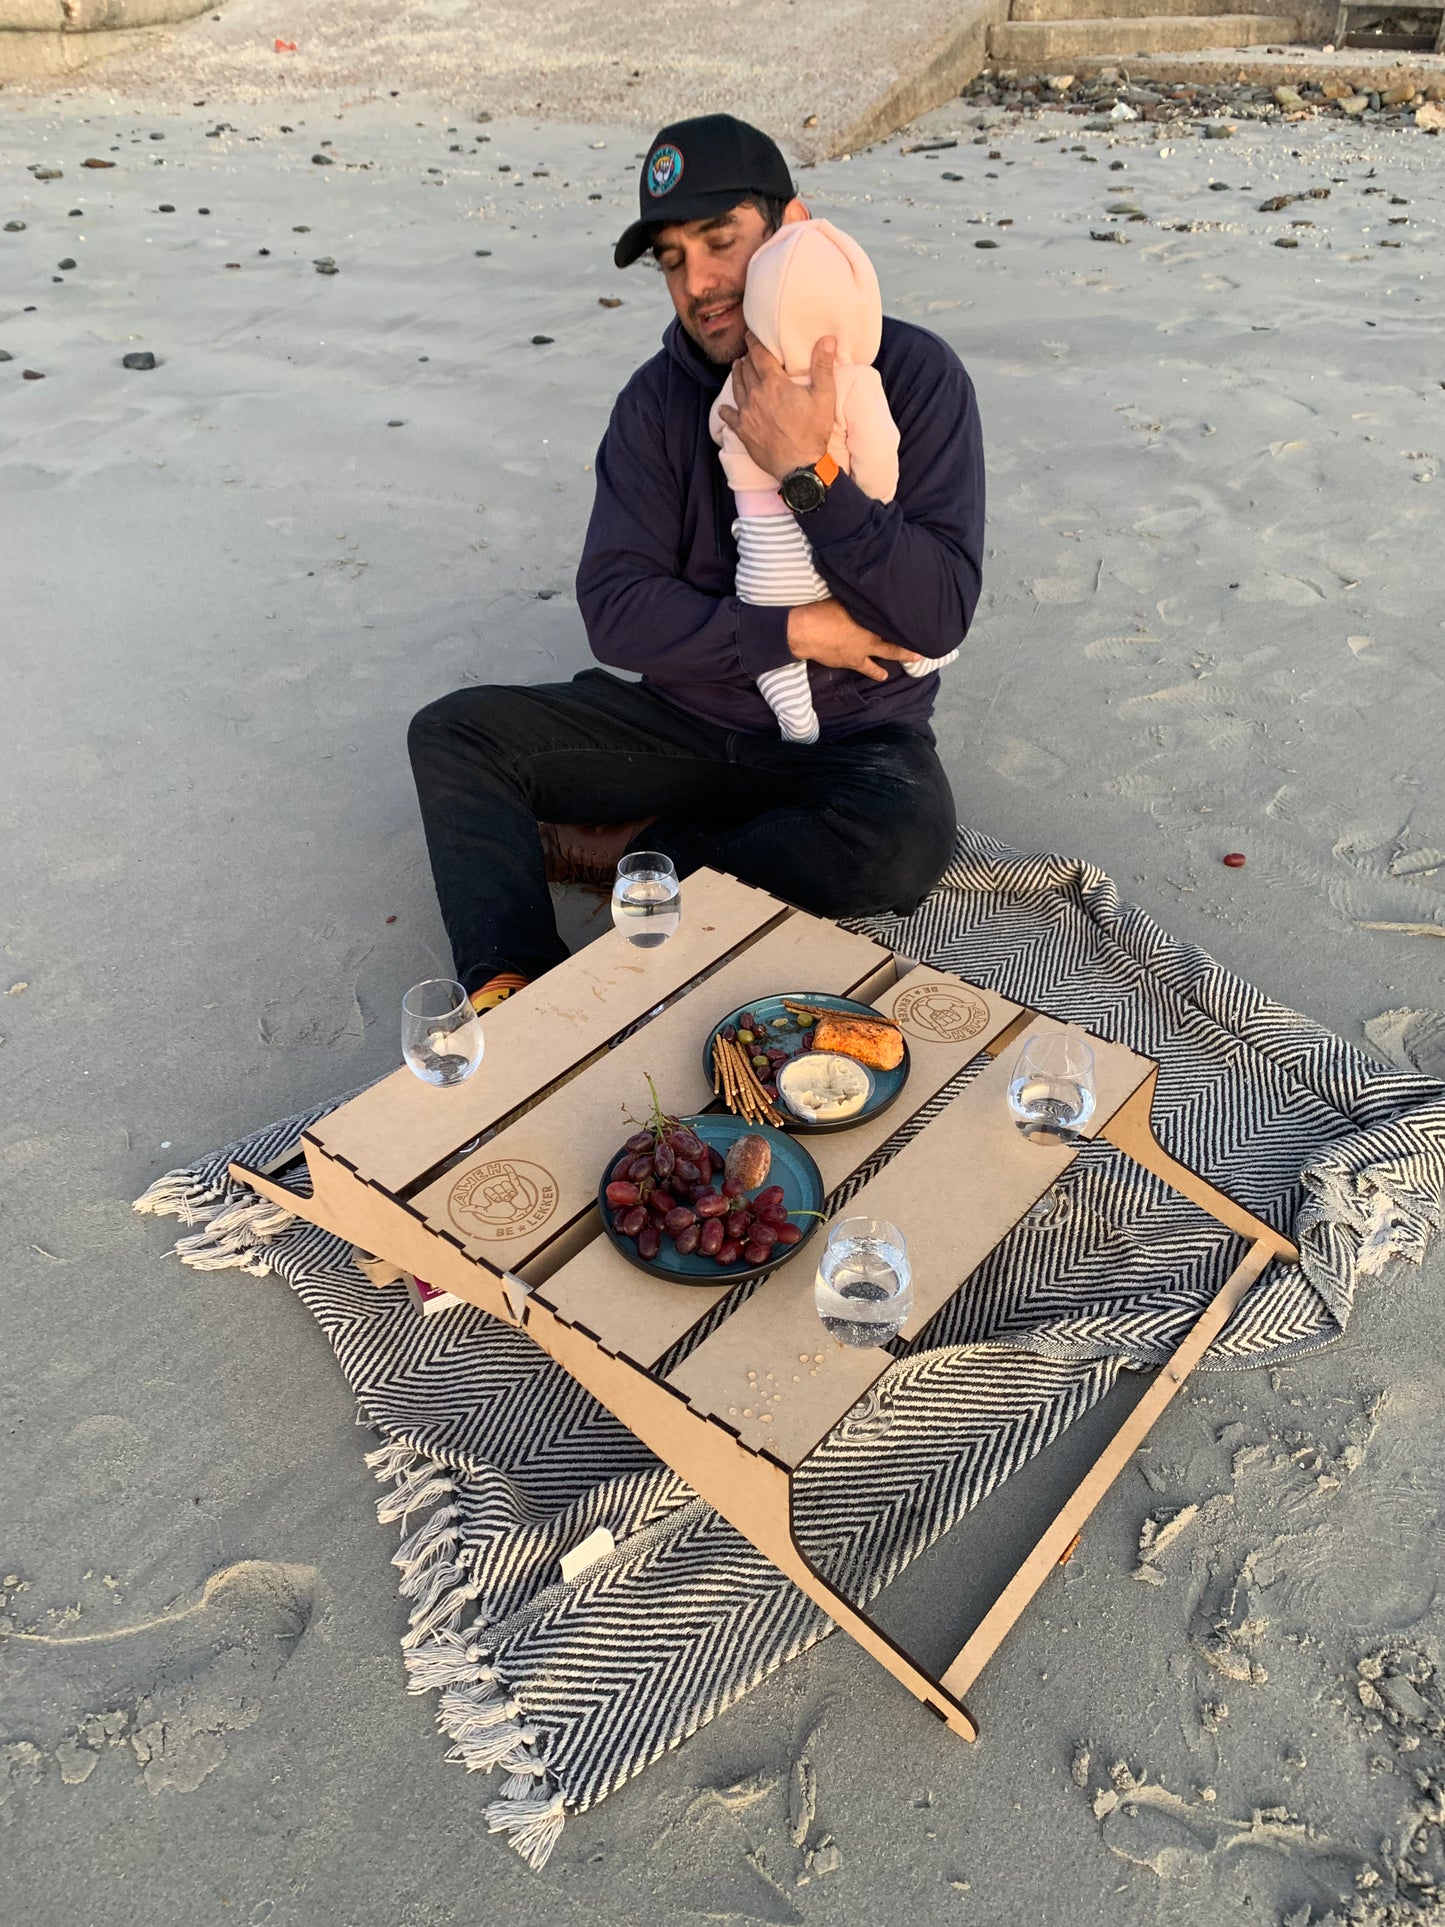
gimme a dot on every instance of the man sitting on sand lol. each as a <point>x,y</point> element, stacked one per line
<point>519,785</point>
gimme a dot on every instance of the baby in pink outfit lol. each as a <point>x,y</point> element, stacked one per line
<point>806,281</point>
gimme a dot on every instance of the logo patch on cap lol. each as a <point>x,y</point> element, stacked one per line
<point>664,170</point>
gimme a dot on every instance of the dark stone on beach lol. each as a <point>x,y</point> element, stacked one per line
<point>1219,187</point>
<point>950,177</point>
<point>543,341</point>
<point>322,160</point>
<point>14,227</point>
<point>396,424</point>
<point>609,300</point>
<point>66,263</point>
<point>31,374</point>
<point>48,173</point>
<point>167,208</point>
<point>301,230</point>
<point>203,210</point>
<point>97,163</point>
<point>985,244</point>
<point>483,253</point>
<point>263,250</point>
<point>157,137</point>
<point>1212,132</point>
<point>142,359</point>
<point>1275,203</point>
<point>5,355</point>
<point>326,265</point>
<point>77,213</point>
<point>1286,241</point>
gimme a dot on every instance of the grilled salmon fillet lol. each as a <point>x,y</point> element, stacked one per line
<point>878,1045</point>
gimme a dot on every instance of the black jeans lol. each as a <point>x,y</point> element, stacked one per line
<point>842,829</point>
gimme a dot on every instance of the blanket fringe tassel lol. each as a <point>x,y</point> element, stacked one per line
<point>179,1194</point>
<point>475,1711</point>
<point>235,1238</point>
<point>535,1826</point>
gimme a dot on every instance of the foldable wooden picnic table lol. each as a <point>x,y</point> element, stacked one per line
<point>510,1224</point>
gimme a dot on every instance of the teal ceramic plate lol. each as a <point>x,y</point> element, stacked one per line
<point>791,1167</point>
<point>887,1085</point>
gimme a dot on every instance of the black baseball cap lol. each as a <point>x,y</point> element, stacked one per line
<point>697,168</point>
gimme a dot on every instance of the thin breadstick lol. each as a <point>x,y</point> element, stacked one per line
<point>731,1095</point>
<point>845,1016</point>
<point>759,1103</point>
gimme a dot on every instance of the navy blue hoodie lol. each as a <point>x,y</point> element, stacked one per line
<point>655,584</point>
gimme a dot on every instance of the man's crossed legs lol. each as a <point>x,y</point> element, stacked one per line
<point>859,827</point>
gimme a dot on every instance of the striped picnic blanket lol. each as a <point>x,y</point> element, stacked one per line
<point>496,1462</point>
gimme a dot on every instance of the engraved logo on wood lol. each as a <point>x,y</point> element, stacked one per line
<point>941,1014</point>
<point>505,1198</point>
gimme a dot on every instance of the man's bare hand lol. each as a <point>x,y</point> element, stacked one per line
<point>781,424</point>
<point>824,632</point>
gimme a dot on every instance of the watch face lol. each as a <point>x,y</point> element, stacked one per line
<point>802,490</point>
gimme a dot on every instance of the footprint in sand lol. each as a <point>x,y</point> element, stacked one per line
<point>319,1009</point>
<point>1149,1826</point>
<point>166,1692</point>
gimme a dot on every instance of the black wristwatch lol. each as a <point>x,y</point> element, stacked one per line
<point>806,489</point>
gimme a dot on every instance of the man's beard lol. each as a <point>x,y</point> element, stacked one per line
<point>717,353</point>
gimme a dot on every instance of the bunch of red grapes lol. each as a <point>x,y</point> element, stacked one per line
<point>675,1184</point>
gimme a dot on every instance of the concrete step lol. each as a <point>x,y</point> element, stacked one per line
<point>1123,10</point>
<point>1222,67</point>
<point>1035,44</point>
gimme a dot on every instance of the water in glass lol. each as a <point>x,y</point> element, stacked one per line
<point>1051,1092</point>
<point>646,899</point>
<point>864,1287</point>
<point>441,1035</point>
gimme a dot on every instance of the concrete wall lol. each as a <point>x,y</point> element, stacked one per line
<point>39,38</point>
<point>937,75</point>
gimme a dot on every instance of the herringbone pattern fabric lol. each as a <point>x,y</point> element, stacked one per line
<point>572,1689</point>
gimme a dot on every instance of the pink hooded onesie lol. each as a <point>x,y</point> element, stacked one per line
<point>806,281</point>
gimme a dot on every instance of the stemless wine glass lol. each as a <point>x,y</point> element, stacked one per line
<point>864,1288</point>
<point>646,899</point>
<point>1051,1092</point>
<point>441,1035</point>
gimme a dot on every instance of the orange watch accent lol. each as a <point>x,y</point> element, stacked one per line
<point>826,470</point>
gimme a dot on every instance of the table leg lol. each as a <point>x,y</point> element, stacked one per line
<point>752,1491</point>
<point>1057,1541</point>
